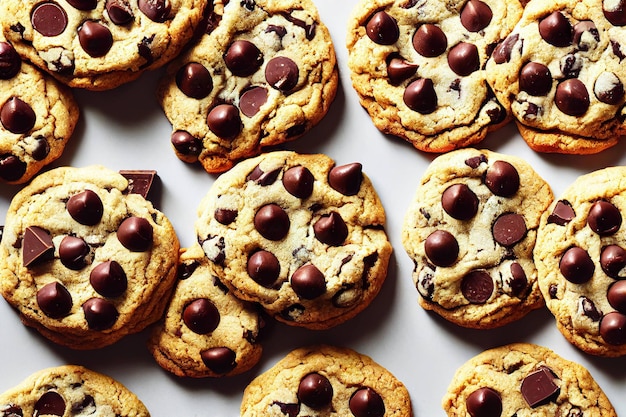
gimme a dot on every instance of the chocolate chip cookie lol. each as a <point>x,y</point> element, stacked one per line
<point>264,73</point>
<point>37,117</point>
<point>206,331</point>
<point>326,380</point>
<point>581,260</point>
<point>418,67</point>
<point>524,379</point>
<point>297,234</point>
<point>71,390</point>
<point>100,44</point>
<point>471,231</point>
<point>85,261</point>
<point>561,73</point>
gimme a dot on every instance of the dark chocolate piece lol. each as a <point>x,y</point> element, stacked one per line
<point>315,391</point>
<point>502,179</point>
<point>136,234</point>
<point>264,268</point>
<point>441,248</point>
<point>243,58</point>
<point>186,144</point>
<point>535,79</point>
<point>502,53</point>
<point>484,402</point>
<point>37,246</point>
<point>85,207</point>
<point>399,69</point>
<point>346,178</point>
<point>576,265</point>
<point>617,296</point>
<point>604,218</point>
<point>83,4</point>
<point>382,29</point>
<point>562,214</point>
<point>460,202</point>
<point>539,388</point>
<point>365,402</point>
<point>556,29</point>
<point>156,10</point>
<point>477,287</point>
<point>73,252</point>
<point>617,14</point>
<point>613,328</point>
<point>219,359</point>
<point>224,121</point>
<point>225,216</point>
<point>10,61</point>
<point>509,229</point>
<point>139,181</point>
<point>108,279</point>
<point>298,181</point>
<point>518,282</point>
<point>308,282</point>
<point>282,73</point>
<point>476,15</point>
<point>331,229</point>
<point>17,116</point>
<point>463,58</point>
<point>572,97</point>
<point>119,11</point>
<point>201,316</point>
<point>95,38</point>
<point>420,96</point>
<point>272,222</point>
<point>49,19</point>
<point>194,80</point>
<point>50,403</point>
<point>252,100</point>
<point>100,314</point>
<point>613,261</point>
<point>54,300</point>
<point>429,40</point>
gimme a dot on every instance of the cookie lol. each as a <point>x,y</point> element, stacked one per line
<point>326,380</point>
<point>84,261</point>
<point>37,117</point>
<point>418,67</point>
<point>71,390</point>
<point>206,331</point>
<point>581,262</point>
<point>99,45</point>
<point>300,236</point>
<point>471,230</point>
<point>264,73</point>
<point>560,73</point>
<point>524,379</point>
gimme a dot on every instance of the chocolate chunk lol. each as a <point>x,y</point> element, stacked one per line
<point>608,88</point>
<point>584,32</point>
<point>613,261</point>
<point>535,79</point>
<point>185,270</point>
<point>194,80</point>
<point>463,58</point>
<point>539,388</point>
<point>282,73</point>
<point>441,248</point>
<point>54,300</point>
<point>613,328</point>
<point>308,282</point>
<point>85,207</point>
<point>41,150</point>
<point>100,314</point>
<point>556,29</point>
<point>264,268</point>
<point>95,38</point>
<point>475,161</point>
<point>347,178</point>
<point>460,202</point>
<point>186,144</point>
<point>502,53</point>
<point>50,404</point>
<point>331,229</point>
<point>243,58</point>
<point>382,29</point>
<point>309,30</point>
<point>17,116</point>
<point>290,410</point>
<point>139,181</point>
<point>476,15</point>
<point>252,100</point>
<point>298,181</point>
<point>429,40</point>
<point>617,296</point>
<point>484,402</point>
<point>135,234</point>
<point>365,402</point>
<point>589,309</point>
<point>37,246</point>
<point>280,31</point>
<point>11,167</point>
<point>225,216</point>
<point>615,12</point>
<point>502,179</point>
<point>108,279</point>
<point>572,97</point>
<point>518,282</point>
<point>263,178</point>
<point>420,96</point>
<point>201,316</point>
<point>562,213</point>
<point>399,69</point>
<point>73,252</point>
<point>576,265</point>
<point>49,19</point>
<point>477,287</point>
<point>553,291</point>
<point>120,12</point>
<point>509,229</point>
<point>604,218</point>
<point>224,121</point>
<point>156,10</point>
<point>83,4</point>
<point>272,222</point>
<point>220,360</point>
<point>315,391</point>
<point>10,61</point>
<point>570,65</point>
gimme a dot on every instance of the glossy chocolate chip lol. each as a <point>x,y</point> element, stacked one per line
<point>576,265</point>
<point>420,96</point>
<point>308,282</point>
<point>17,116</point>
<point>502,179</point>
<point>10,61</point>
<point>476,15</point>
<point>136,234</point>
<point>539,387</point>
<point>509,229</point>
<point>365,402</point>
<point>243,58</point>
<point>429,40</point>
<point>201,316</point>
<point>282,73</point>
<point>613,328</point>
<point>11,167</point>
<point>95,38</point>
<point>73,252</point>
<point>54,300</point>
<point>347,178</point>
<point>484,402</point>
<point>37,246</point>
<point>272,222</point>
<point>572,97</point>
<point>220,360</point>
<point>615,11</point>
<point>252,100</point>
<point>41,149</point>
<point>460,202</point>
<point>298,181</point>
<point>83,4</point>
<point>382,29</point>
<point>535,79</point>
<point>608,88</point>
<point>617,296</point>
<point>85,207</point>
<point>589,309</point>
<point>399,69</point>
<point>477,287</point>
<point>156,10</point>
<point>186,144</point>
<point>263,178</point>
<point>194,80</point>
<point>502,52</point>
<point>586,35</point>
<point>120,11</point>
<point>463,58</point>
<point>108,279</point>
<point>613,261</point>
<point>51,403</point>
<point>518,282</point>
<point>315,391</point>
<point>441,248</point>
<point>100,314</point>
<point>331,229</point>
<point>556,29</point>
<point>264,268</point>
<point>49,19</point>
<point>604,218</point>
<point>224,121</point>
<point>562,213</point>
<point>225,216</point>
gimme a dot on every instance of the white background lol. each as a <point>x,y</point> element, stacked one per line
<point>125,129</point>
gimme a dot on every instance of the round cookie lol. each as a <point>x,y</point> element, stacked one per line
<point>264,73</point>
<point>37,117</point>
<point>560,73</point>
<point>418,67</point>
<point>100,44</point>
<point>300,236</point>
<point>326,380</point>
<point>206,331</point>
<point>580,259</point>
<point>84,261</point>
<point>525,380</point>
<point>71,390</point>
<point>470,231</point>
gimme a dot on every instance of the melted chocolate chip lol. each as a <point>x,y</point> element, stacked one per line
<point>186,144</point>
<point>73,252</point>
<point>282,73</point>
<point>83,4</point>
<point>108,279</point>
<point>42,149</point>
<point>224,121</point>
<point>194,80</point>
<point>280,31</point>
<point>201,316</point>
<point>608,88</point>
<point>54,300</point>
<point>509,229</point>
<point>308,282</point>
<point>539,388</point>
<point>484,402</point>
<point>135,234</point>
<point>460,202</point>
<point>399,69</point>
<point>252,100</point>
<point>85,207</point>
<point>535,79</point>
<point>10,61</point>
<point>331,229</point>
<point>346,178</point>
<point>617,296</point>
<point>51,403</point>
<point>576,265</point>
<point>420,96</point>
<point>95,38</point>
<point>502,53</point>
<point>365,402</point>
<point>604,218</point>
<point>477,287</point>
<point>272,222</point>
<point>298,181</point>
<point>476,15</point>
<point>463,58</point>
<point>100,314</point>
<point>613,261</point>
<point>562,213</point>
<point>589,309</point>
<point>264,268</point>
<point>616,14</point>
<point>243,58</point>
<point>382,29</point>
<point>429,40</point>
<point>502,179</point>
<point>17,116</point>
<point>120,12</point>
<point>556,29</point>
<point>49,19</point>
<point>37,246</point>
<point>572,97</point>
<point>518,282</point>
<point>441,248</point>
<point>156,10</point>
<point>220,360</point>
<point>315,391</point>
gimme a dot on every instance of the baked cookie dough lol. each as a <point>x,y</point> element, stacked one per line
<point>264,73</point>
<point>297,234</point>
<point>561,74</point>
<point>326,381</point>
<point>84,261</point>
<point>100,44</point>
<point>418,67</point>
<point>206,331</point>
<point>581,262</point>
<point>71,390</point>
<point>470,231</point>
<point>524,380</point>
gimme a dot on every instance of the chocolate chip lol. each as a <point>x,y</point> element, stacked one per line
<point>420,96</point>
<point>441,248</point>
<point>282,73</point>
<point>553,291</point>
<point>463,58</point>
<point>194,80</point>
<point>50,403</point>
<point>365,402</point>
<point>54,300</point>
<point>41,149</point>
<point>108,279</point>
<point>539,388</point>
<point>220,360</point>
<point>460,202</point>
<point>535,79</point>
<point>252,100</point>
<point>475,161</point>
<point>49,19</point>
<point>225,216</point>
<point>186,144</point>
<point>73,252</point>
<point>243,58</point>
<point>589,309</point>
<point>509,229</point>
<point>616,47</point>
<point>502,53</point>
<point>347,178</point>
<point>135,234</point>
<point>617,296</point>
<point>85,207</point>
<point>613,261</point>
<point>264,268</point>
<point>139,181</point>
<point>604,218</point>
<point>100,314</point>
<point>11,167</point>
<point>608,88</point>
<point>86,406</point>
<point>156,10</point>
<point>309,30</point>
<point>10,61</point>
<point>119,11</point>
<point>272,222</point>
<point>185,270</point>
<point>502,179</point>
<point>476,15</point>
<point>576,265</point>
<point>83,4</point>
<point>382,29</point>
<point>331,229</point>
<point>290,410</point>
<point>477,287</point>
<point>224,121</point>
<point>556,29</point>
<point>11,410</point>
<point>399,69</point>
<point>280,31</point>
<point>615,12</point>
<point>562,213</point>
<point>95,38</point>
<point>298,181</point>
<point>308,282</point>
<point>613,328</point>
<point>248,4</point>
<point>17,116</point>
<point>584,32</point>
<point>315,391</point>
<point>429,40</point>
<point>484,402</point>
<point>37,246</point>
<point>572,97</point>
<point>518,282</point>
<point>201,316</point>
<point>263,178</point>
